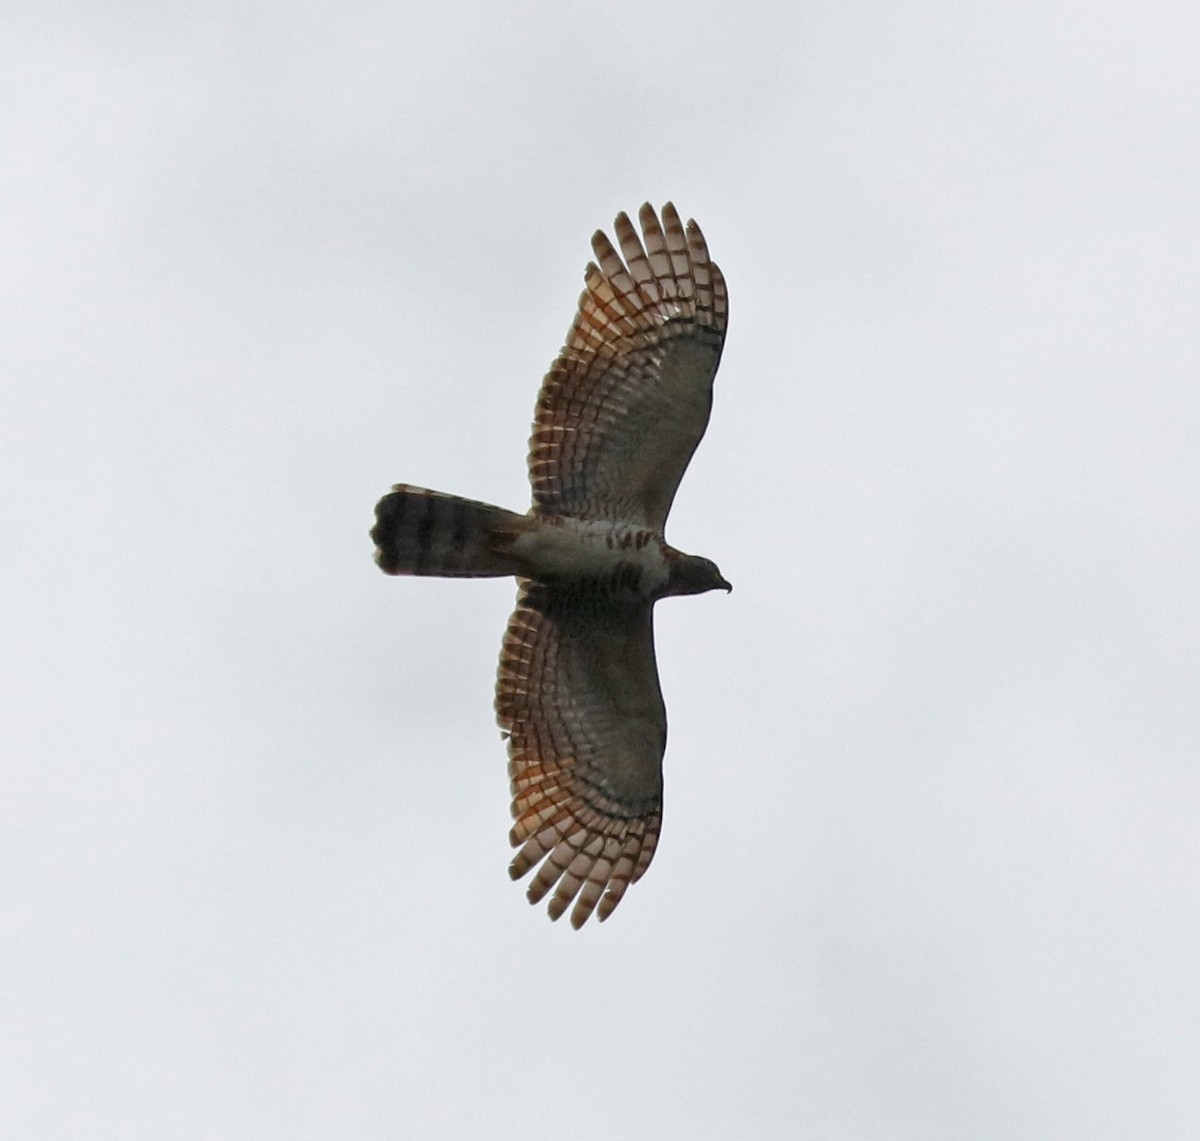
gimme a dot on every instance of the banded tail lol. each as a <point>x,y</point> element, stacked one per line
<point>418,531</point>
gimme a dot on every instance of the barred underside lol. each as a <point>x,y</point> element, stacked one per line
<point>578,694</point>
<point>627,401</point>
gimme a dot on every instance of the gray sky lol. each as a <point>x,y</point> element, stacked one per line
<point>930,859</point>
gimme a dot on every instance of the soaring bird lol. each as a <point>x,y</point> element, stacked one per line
<point>619,415</point>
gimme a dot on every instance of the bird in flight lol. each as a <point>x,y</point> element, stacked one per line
<point>618,417</point>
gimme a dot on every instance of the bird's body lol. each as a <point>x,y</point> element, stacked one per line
<point>595,554</point>
<point>620,413</point>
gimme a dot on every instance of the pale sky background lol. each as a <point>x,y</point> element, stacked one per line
<point>931,859</point>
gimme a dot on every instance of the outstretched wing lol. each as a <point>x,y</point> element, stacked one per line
<point>578,695</point>
<point>622,409</point>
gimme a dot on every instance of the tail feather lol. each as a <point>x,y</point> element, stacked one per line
<point>418,531</point>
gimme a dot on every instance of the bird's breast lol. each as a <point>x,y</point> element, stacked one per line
<point>601,555</point>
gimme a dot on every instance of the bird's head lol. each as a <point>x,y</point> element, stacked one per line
<point>693,574</point>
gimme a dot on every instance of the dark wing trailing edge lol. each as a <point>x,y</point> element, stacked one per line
<point>578,695</point>
<point>627,401</point>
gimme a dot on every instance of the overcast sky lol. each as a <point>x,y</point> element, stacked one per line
<point>930,863</point>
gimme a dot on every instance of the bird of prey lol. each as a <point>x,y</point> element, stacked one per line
<point>618,417</point>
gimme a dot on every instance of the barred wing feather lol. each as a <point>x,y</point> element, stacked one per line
<point>578,694</point>
<point>627,401</point>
